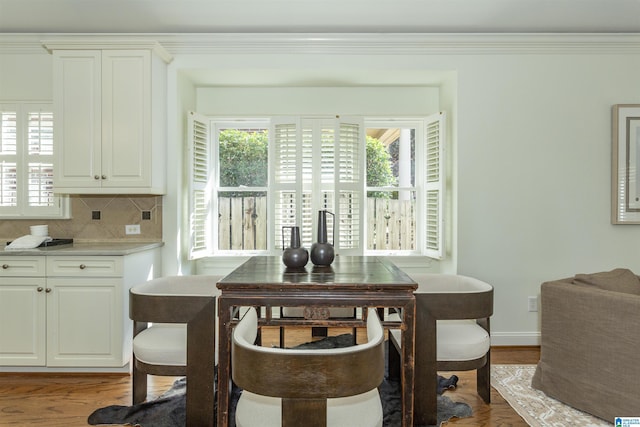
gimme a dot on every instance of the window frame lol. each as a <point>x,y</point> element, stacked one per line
<point>60,207</point>
<point>423,225</point>
<point>402,123</point>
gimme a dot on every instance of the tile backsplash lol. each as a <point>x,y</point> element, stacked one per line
<point>114,213</point>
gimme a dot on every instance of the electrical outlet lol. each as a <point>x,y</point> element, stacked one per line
<point>132,229</point>
<point>533,303</point>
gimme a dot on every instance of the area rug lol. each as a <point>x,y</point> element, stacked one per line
<point>168,410</point>
<point>513,382</point>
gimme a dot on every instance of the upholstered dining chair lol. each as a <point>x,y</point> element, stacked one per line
<point>314,388</point>
<point>160,310</point>
<point>452,331</point>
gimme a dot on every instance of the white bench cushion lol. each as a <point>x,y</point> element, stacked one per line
<point>457,340</point>
<point>162,344</point>
<point>363,410</point>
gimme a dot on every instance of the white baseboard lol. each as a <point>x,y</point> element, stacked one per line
<point>515,338</point>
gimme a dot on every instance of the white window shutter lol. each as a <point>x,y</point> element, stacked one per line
<point>285,178</point>
<point>26,163</point>
<point>349,185</point>
<point>9,159</point>
<point>434,185</point>
<point>200,172</point>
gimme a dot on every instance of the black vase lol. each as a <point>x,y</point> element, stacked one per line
<point>322,252</point>
<point>295,256</point>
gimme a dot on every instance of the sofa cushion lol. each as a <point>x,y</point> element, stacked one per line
<point>618,280</point>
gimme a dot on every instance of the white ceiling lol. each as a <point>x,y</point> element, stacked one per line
<point>310,16</point>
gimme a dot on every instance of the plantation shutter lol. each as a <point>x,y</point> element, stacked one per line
<point>318,164</point>
<point>318,175</point>
<point>39,192</point>
<point>26,163</point>
<point>434,185</point>
<point>200,172</point>
<point>8,159</point>
<point>285,179</point>
<point>349,185</point>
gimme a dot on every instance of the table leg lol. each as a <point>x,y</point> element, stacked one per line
<point>201,367</point>
<point>408,363</point>
<point>224,361</point>
<point>426,374</point>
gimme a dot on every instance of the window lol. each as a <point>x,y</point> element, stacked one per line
<point>251,179</point>
<point>26,162</point>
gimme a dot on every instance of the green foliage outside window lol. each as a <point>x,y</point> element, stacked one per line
<point>379,173</point>
<point>243,158</point>
<point>243,161</point>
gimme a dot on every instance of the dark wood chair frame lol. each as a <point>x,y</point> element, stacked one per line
<point>198,312</point>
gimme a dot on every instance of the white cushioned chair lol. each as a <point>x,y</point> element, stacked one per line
<point>160,348</point>
<point>452,320</point>
<point>324,387</point>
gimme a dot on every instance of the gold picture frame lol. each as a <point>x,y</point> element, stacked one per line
<point>625,160</point>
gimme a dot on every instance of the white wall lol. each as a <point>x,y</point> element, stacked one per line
<point>534,154</point>
<point>26,77</point>
<point>531,153</point>
<point>530,165</point>
<point>361,101</point>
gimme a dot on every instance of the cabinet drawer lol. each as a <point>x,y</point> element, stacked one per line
<point>90,266</point>
<point>18,266</point>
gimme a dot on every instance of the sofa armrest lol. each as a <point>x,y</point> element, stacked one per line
<point>579,318</point>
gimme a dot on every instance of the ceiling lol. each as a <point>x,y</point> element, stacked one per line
<point>319,16</point>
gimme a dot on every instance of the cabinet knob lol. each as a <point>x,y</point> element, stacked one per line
<point>96,177</point>
<point>40,288</point>
<point>5,266</point>
<point>47,290</point>
<point>82,266</point>
<point>104,176</point>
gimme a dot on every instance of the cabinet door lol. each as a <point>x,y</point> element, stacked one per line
<point>22,322</point>
<point>77,77</point>
<point>84,317</point>
<point>126,118</point>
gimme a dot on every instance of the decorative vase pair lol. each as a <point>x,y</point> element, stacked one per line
<point>322,253</point>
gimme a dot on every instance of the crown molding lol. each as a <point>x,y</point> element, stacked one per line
<point>329,43</point>
<point>102,42</point>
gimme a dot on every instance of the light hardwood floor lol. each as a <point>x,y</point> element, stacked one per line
<point>66,400</point>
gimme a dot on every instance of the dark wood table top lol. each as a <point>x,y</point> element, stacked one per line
<point>346,272</point>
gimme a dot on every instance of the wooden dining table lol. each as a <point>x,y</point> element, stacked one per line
<point>350,281</point>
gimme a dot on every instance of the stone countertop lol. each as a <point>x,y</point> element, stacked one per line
<point>88,248</point>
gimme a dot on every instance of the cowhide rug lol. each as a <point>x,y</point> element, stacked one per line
<point>168,410</point>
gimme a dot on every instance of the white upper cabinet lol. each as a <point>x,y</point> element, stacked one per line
<point>110,118</point>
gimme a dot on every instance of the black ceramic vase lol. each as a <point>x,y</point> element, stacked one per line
<point>322,252</point>
<point>294,256</point>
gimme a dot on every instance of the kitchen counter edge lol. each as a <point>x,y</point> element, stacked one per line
<point>88,249</point>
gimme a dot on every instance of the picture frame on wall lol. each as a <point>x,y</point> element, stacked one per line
<point>625,156</point>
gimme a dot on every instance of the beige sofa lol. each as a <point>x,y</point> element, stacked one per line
<point>590,348</point>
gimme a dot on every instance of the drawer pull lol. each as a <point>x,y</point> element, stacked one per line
<point>5,266</point>
<point>82,266</point>
<point>40,288</point>
<point>47,290</point>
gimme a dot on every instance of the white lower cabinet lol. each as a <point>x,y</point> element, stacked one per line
<point>23,314</point>
<point>74,315</point>
<point>22,321</point>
